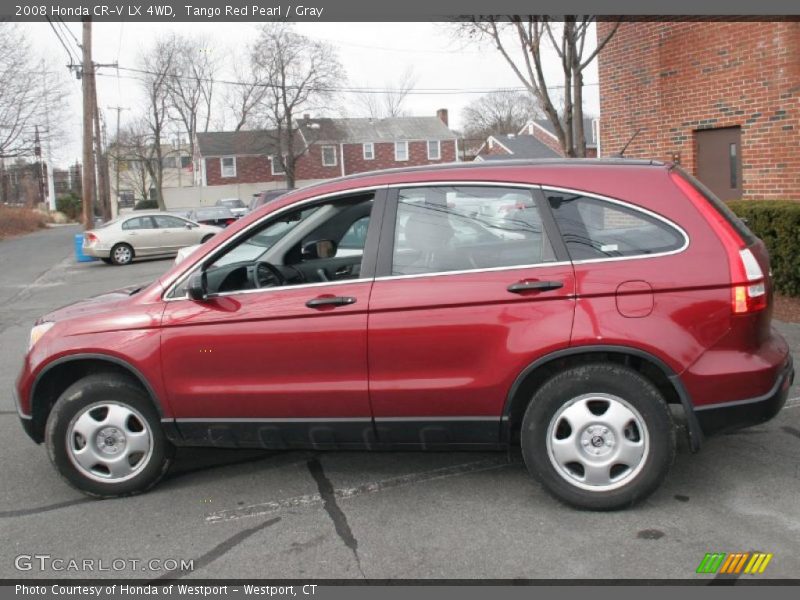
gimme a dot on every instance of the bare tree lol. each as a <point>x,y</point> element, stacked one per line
<point>134,156</point>
<point>388,102</point>
<point>190,83</point>
<point>158,65</point>
<point>244,99</point>
<point>499,112</point>
<point>528,34</point>
<point>300,75</point>
<point>29,96</point>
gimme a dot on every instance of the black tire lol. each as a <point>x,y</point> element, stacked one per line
<point>208,237</point>
<point>108,261</point>
<point>124,256</point>
<point>103,390</point>
<point>592,387</point>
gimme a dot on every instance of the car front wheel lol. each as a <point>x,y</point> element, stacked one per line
<point>104,437</point>
<point>598,436</point>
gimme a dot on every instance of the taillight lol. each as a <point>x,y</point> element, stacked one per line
<point>229,221</point>
<point>752,296</point>
<point>90,237</point>
<point>748,285</point>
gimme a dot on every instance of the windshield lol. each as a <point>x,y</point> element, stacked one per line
<point>233,203</point>
<point>212,213</point>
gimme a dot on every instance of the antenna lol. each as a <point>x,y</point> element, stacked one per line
<point>625,147</point>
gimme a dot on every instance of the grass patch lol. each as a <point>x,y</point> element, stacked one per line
<point>18,221</point>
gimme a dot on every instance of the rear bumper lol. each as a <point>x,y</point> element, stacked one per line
<point>96,252</point>
<point>727,416</point>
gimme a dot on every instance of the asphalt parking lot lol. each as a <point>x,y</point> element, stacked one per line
<point>249,514</point>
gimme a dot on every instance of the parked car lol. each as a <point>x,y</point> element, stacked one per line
<point>219,216</point>
<point>627,292</point>
<point>236,206</point>
<point>143,234</point>
<point>262,198</point>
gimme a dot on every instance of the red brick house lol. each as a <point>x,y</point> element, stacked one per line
<point>537,139</point>
<point>721,98</point>
<point>334,147</point>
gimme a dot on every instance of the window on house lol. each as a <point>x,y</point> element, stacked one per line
<point>369,151</point>
<point>434,150</point>
<point>401,151</point>
<point>277,165</point>
<point>169,162</point>
<point>329,156</point>
<point>228,166</point>
<point>186,162</point>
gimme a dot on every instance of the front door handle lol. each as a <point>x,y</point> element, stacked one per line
<point>530,285</point>
<point>322,301</point>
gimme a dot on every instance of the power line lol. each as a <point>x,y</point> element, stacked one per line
<point>72,59</point>
<point>74,37</point>
<point>341,89</point>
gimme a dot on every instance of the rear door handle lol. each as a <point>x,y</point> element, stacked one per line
<point>529,285</point>
<point>330,301</point>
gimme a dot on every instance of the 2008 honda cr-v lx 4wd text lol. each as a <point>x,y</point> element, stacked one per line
<point>563,305</point>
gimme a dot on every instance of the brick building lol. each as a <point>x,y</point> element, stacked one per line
<point>334,147</point>
<point>720,98</point>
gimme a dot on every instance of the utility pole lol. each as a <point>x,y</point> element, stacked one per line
<point>37,150</point>
<point>51,188</point>
<point>88,179</point>
<point>119,109</point>
<point>102,163</point>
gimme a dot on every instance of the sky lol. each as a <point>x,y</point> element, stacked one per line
<point>372,54</point>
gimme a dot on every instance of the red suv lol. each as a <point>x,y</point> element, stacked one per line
<point>569,306</point>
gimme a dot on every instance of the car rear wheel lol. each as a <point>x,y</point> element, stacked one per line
<point>598,436</point>
<point>104,437</point>
<point>121,254</point>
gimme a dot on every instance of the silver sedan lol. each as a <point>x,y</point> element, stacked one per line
<point>143,234</point>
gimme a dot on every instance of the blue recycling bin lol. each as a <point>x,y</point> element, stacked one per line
<point>79,255</point>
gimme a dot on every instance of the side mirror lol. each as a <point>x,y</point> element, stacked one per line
<point>197,288</point>
<point>319,249</point>
<point>189,226</point>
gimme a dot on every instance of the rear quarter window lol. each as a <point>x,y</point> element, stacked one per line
<point>594,229</point>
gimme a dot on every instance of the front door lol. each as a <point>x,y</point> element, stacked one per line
<point>719,161</point>
<point>469,292</point>
<point>276,356</point>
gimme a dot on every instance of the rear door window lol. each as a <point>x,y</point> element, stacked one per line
<point>138,223</point>
<point>593,228</point>
<point>462,228</point>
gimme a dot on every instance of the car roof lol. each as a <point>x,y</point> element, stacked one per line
<point>148,213</point>
<point>512,162</point>
<point>501,170</point>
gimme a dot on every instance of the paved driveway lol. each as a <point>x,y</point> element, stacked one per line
<point>248,514</point>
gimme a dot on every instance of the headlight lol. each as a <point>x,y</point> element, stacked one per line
<point>37,332</point>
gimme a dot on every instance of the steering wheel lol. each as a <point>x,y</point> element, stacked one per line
<point>267,275</point>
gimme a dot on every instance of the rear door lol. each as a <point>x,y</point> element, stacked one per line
<point>141,234</point>
<point>463,302</point>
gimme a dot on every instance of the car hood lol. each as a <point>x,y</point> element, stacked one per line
<point>102,303</point>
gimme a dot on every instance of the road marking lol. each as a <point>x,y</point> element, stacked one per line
<point>792,402</point>
<point>307,500</point>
